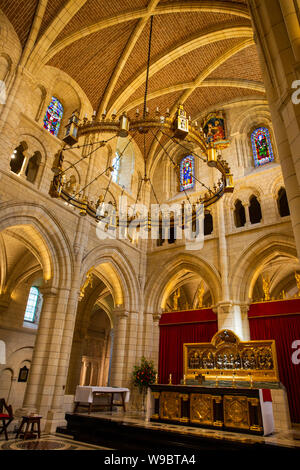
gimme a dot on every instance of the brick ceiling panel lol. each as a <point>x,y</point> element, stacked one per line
<point>206,97</point>
<point>170,30</point>
<point>99,54</point>
<point>53,8</point>
<point>244,65</point>
<point>186,68</point>
<point>20,14</point>
<point>96,10</point>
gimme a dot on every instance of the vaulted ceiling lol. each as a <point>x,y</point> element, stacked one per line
<point>203,53</point>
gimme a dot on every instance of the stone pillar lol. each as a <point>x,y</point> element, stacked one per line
<point>277,36</point>
<point>119,349</point>
<point>155,348</point>
<point>41,353</point>
<point>223,252</point>
<point>112,336</point>
<point>131,345</point>
<point>234,317</point>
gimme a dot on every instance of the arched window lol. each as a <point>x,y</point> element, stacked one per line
<point>31,304</point>
<point>187,173</point>
<point>239,214</point>
<point>53,116</point>
<point>123,163</point>
<point>262,146</point>
<point>254,210</point>
<point>116,167</point>
<point>282,203</point>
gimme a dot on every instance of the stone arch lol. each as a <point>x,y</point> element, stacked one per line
<point>5,67</point>
<point>251,261</point>
<point>243,193</point>
<point>37,226</point>
<point>157,284</point>
<point>111,258</point>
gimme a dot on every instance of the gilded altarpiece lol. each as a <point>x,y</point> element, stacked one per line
<point>220,386</point>
<point>228,358</point>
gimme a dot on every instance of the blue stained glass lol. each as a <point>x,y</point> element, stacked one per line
<point>53,116</point>
<point>31,304</point>
<point>262,146</point>
<point>187,173</point>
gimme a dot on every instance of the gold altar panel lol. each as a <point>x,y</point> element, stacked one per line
<point>226,356</point>
<point>236,412</point>
<point>170,406</point>
<point>201,409</point>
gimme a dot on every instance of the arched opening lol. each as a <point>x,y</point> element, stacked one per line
<point>208,224</point>
<point>239,214</point>
<point>282,203</point>
<point>33,167</point>
<point>17,158</point>
<point>255,213</point>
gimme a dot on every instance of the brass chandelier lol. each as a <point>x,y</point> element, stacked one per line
<point>179,129</point>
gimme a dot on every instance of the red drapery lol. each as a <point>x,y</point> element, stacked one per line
<point>279,321</point>
<point>177,328</point>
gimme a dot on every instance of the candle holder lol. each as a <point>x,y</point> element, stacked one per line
<point>170,379</point>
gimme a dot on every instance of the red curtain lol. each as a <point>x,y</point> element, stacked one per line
<point>276,323</point>
<point>176,329</point>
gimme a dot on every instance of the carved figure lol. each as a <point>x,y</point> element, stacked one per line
<point>88,281</point>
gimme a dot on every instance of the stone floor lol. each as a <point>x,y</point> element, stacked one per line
<point>46,442</point>
<point>63,442</point>
<point>287,439</point>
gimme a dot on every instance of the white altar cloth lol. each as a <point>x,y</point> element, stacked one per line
<point>267,414</point>
<point>84,394</point>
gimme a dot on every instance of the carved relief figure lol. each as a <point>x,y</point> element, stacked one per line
<point>176,297</point>
<point>266,288</point>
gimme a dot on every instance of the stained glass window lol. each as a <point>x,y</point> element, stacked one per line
<point>187,173</point>
<point>262,146</point>
<point>31,304</point>
<point>53,116</point>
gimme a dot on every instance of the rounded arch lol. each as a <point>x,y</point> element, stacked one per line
<point>252,260</point>
<point>118,270</point>
<point>37,226</point>
<point>157,286</point>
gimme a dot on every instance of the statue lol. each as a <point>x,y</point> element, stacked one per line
<point>200,294</point>
<point>88,281</point>
<point>58,161</point>
<point>297,277</point>
<point>176,297</point>
<point>266,288</point>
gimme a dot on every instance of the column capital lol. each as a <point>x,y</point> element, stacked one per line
<point>223,307</point>
<point>48,290</point>
<point>120,312</point>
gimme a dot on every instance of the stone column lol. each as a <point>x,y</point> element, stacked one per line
<point>131,344</point>
<point>223,252</point>
<point>119,349</point>
<point>40,357</point>
<point>276,28</point>
<point>155,348</point>
<point>111,347</point>
<point>233,317</point>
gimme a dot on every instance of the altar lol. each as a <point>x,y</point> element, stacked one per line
<point>92,397</point>
<point>227,384</point>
